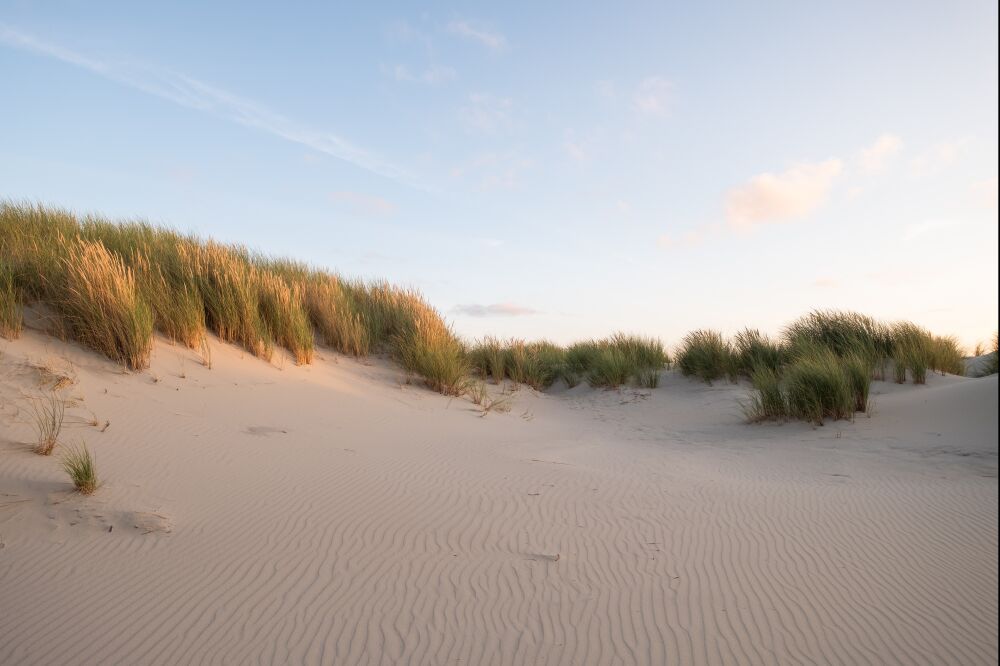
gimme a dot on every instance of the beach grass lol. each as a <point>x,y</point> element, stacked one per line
<point>607,362</point>
<point>11,315</point>
<point>112,283</point>
<point>48,414</point>
<point>79,463</point>
<point>705,354</point>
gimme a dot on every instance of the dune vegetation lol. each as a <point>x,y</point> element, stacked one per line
<point>821,366</point>
<point>110,285</point>
<point>11,317</point>
<point>608,362</point>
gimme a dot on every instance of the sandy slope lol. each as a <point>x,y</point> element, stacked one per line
<point>331,514</point>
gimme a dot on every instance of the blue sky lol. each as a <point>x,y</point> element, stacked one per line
<point>560,171</point>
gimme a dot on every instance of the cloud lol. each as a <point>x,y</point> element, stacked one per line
<point>486,113</point>
<point>363,203</point>
<point>875,158</point>
<point>494,310</point>
<point>469,30</point>
<point>826,283</point>
<point>191,93</point>
<point>652,96</point>
<point>770,197</point>
<point>434,75</point>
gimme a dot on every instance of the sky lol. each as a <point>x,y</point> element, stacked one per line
<point>540,170</point>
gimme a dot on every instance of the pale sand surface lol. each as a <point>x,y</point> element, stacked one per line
<point>330,514</point>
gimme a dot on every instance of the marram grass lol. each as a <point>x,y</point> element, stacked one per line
<point>607,363</point>
<point>79,464</point>
<point>114,283</point>
<point>705,354</point>
<point>11,317</point>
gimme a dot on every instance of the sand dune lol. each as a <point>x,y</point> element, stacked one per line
<point>269,513</point>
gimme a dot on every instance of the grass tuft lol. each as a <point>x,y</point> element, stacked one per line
<point>430,349</point>
<point>103,307</point>
<point>767,400</point>
<point>48,414</point>
<point>817,387</point>
<point>752,350</point>
<point>706,354</point>
<point>79,463</point>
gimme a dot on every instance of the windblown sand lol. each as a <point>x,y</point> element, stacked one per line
<point>268,513</point>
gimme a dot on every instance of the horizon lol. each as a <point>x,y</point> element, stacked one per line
<point>542,192</point>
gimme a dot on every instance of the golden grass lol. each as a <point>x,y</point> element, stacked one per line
<point>11,317</point>
<point>102,305</point>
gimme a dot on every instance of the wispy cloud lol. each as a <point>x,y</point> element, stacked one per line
<point>365,204</point>
<point>652,96</point>
<point>777,197</point>
<point>877,156</point>
<point>493,310</point>
<point>192,93</point>
<point>486,113</point>
<point>475,32</point>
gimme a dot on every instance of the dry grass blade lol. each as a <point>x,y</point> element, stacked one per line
<point>48,413</point>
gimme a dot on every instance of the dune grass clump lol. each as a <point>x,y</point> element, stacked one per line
<point>767,399</point>
<point>229,287</point>
<point>285,317</point>
<point>11,318</point>
<point>858,371</point>
<point>103,307</point>
<point>842,332</point>
<point>79,463</point>
<point>817,387</point>
<point>610,368</point>
<point>48,414</point>
<point>620,358</point>
<point>333,316</point>
<point>705,354</point>
<point>537,364</point>
<point>911,352</point>
<point>488,358</point>
<point>946,355</point>
<point>608,363</point>
<point>429,349</point>
<point>752,350</point>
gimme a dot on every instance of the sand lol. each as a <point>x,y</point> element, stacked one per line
<point>334,514</point>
